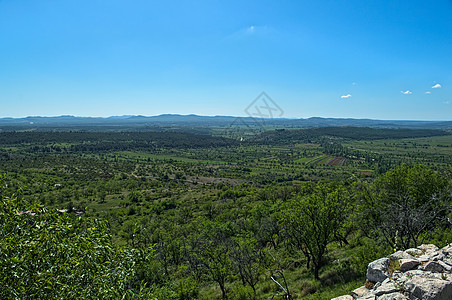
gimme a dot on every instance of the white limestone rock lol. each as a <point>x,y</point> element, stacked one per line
<point>426,288</point>
<point>408,264</point>
<point>414,252</point>
<point>426,248</point>
<point>377,270</point>
<point>387,287</point>
<point>393,296</point>
<point>400,255</point>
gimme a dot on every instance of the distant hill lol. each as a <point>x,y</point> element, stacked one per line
<point>193,121</point>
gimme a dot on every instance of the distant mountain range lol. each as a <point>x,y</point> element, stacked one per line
<point>170,120</point>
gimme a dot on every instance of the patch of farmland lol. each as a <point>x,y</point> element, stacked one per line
<point>336,161</point>
<point>314,160</point>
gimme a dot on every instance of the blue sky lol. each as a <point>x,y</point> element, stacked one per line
<point>329,58</point>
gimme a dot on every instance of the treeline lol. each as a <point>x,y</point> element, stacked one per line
<point>103,141</point>
<point>366,133</point>
<point>283,136</point>
<point>188,139</point>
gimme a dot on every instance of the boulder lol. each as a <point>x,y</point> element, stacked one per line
<point>377,270</point>
<point>422,287</point>
<point>408,264</point>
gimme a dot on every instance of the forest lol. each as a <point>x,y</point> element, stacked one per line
<point>208,213</point>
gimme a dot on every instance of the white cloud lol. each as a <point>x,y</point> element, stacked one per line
<point>346,96</point>
<point>447,102</point>
<point>354,83</point>
<point>428,92</point>
<point>436,86</point>
<point>251,30</point>
<point>406,92</point>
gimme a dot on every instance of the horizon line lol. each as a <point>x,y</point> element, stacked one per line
<point>213,116</point>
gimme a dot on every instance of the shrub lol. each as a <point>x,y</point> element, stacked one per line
<point>46,255</point>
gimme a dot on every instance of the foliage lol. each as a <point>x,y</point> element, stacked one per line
<point>44,255</point>
<point>213,209</point>
<point>316,218</point>
<point>405,203</point>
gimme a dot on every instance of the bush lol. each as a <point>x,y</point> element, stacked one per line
<point>240,292</point>
<point>46,255</point>
<point>187,288</point>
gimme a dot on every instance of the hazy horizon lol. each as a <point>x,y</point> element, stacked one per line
<point>380,60</point>
<point>225,116</point>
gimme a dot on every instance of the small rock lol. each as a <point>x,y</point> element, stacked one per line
<point>408,264</point>
<point>393,296</point>
<point>359,292</point>
<point>434,266</point>
<point>377,270</point>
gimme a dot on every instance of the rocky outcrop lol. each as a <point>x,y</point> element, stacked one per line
<point>423,273</point>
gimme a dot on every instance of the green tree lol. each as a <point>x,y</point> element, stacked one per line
<point>213,250</point>
<point>315,219</point>
<point>405,203</point>
<point>249,261</point>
